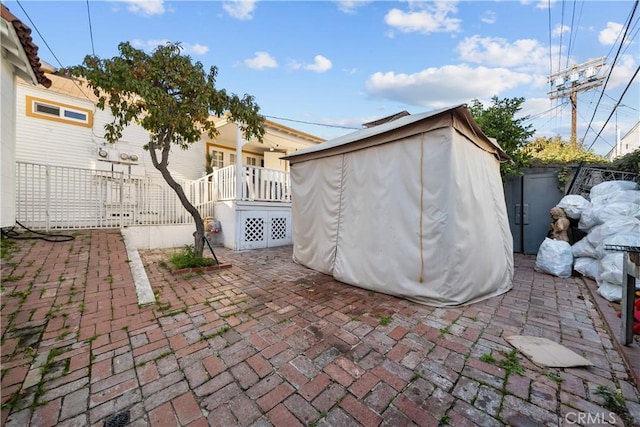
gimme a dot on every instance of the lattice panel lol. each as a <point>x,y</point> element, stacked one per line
<point>253,230</point>
<point>278,228</point>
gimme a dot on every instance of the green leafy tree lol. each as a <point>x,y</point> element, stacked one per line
<point>556,151</point>
<point>628,163</point>
<point>498,121</point>
<point>172,98</point>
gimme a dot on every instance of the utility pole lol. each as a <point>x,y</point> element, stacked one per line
<point>570,81</point>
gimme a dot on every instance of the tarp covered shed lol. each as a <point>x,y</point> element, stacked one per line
<point>414,208</point>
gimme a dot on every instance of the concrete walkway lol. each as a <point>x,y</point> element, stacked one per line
<point>269,342</point>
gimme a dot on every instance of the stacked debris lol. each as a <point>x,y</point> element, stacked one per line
<point>611,216</point>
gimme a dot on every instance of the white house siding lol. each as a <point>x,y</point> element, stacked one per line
<point>631,141</point>
<point>7,145</point>
<point>49,142</point>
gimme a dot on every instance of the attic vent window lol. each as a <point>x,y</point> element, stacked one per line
<point>63,113</point>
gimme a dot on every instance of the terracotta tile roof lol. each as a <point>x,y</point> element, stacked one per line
<point>24,35</point>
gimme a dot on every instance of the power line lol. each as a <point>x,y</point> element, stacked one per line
<point>36,28</point>
<point>550,39</point>
<point>571,36</point>
<point>616,106</point>
<point>93,50</point>
<point>613,64</point>
<point>635,34</point>
<point>621,105</point>
<point>538,115</point>
<point>561,33</point>
<point>312,123</point>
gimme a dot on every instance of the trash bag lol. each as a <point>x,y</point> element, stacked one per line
<point>583,248</point>
<point>625,196</point>
<point>620,224</point>
<point>609,187</point>
<point>599,214</point>
<point>610,268</point>
<point>610,292</point>
<point>586,266</point>
<point>573,205</point>
<point>621,238</point>
<point>555,257</point>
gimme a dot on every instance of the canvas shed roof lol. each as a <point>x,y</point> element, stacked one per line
<point>457,116</point>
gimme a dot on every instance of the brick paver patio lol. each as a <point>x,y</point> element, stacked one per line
<point>269,342</point>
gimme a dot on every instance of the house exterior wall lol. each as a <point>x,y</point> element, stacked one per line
<point>50,142</point>
<point>7,146</point>
<point>631,141</point>
<point>627,144</point>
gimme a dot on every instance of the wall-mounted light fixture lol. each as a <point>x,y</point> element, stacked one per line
<point>133,157</point>
<point>124,156</point>
<point>103,153</point>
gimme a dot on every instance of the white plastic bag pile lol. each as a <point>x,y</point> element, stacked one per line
<point>612,217</point>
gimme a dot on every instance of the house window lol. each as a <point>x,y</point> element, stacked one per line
<point>217,159</point>
<point>56,111</point>
<point>251,161</point>
<point>47,109</point>
<point>232,159</point>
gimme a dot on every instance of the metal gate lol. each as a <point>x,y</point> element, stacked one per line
<point>264,229</point>
<point>529,198</point>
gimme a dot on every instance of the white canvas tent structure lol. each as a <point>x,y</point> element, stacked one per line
<point>414,208</point>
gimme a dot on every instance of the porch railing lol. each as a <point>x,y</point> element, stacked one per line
<point>49,197</point>
<point>257,184</point>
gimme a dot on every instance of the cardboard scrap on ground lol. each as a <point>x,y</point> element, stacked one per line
<point>544,352</point>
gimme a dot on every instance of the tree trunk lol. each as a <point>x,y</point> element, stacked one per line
<point>162,166</point>
<point>199,234</point>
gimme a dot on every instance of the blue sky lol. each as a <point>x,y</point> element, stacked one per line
<point>343,63</point>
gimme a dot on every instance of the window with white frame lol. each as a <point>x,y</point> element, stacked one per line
<point>52,110</point>
<point>232,159</point>
<point>217,159</point>
<point>251,161</point>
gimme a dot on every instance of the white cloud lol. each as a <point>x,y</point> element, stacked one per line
<point>148,44</point>
<point>489,17</point>
<point>195,49</point>
<point>444,86</point>
<point>294,65</point>
<point>559,30</point>
<point>240,9</point>
<point>609,35</point>
<point>425,18</point>
<point>499,52</point>
<point>187,48</point>
<point>543,4</point>
<point>622,72</point>
<point>146,7</point>
<point>260,61</point>
<point>320,64</point>
<point>348,6</point>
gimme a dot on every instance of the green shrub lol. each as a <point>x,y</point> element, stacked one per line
<point>187,258</point>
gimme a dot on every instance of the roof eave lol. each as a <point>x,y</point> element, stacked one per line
<point>19,49</point>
